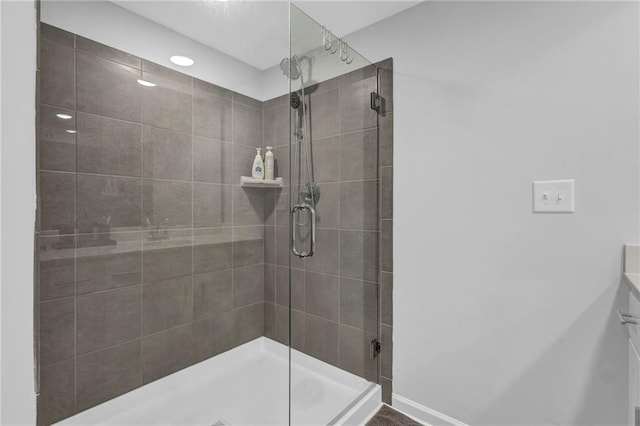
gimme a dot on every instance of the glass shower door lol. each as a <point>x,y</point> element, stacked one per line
<point>334,223</point>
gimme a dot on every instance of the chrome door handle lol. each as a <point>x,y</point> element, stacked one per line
<point>312,211</point>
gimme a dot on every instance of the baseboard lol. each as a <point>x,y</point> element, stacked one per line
<point>423,414</point>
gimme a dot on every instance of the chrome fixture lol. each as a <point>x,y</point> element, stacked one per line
<point>334,44</point>
<point>308,193</point>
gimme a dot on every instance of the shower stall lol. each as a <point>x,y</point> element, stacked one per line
<point>172,290</point>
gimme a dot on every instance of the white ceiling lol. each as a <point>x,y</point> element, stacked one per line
<point>257,32</point>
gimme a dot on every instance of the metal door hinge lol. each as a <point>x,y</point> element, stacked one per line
<point>376,101</point>
<point>374,349</point>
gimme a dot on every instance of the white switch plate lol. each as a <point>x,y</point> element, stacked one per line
<point>554,196</point>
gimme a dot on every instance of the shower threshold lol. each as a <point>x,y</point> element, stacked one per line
<point>247,385</point>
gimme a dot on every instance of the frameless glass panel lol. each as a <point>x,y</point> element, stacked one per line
<point>334,229</point>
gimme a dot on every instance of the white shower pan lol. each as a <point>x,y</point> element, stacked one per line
<point>247,385</point>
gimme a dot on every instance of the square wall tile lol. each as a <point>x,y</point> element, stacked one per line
<point>57,202</point>
<point>212,293</point>
<point>166,352</point>
<point>166,154</point>
<point>354,353</point>
<point>112,199</point>
<point>108,146</point>
<point>169,258</point>
<point>247,125</point>
<point>322,293</point>
<point>108,373</point>
<point>248,206</point>
<point>211,205</point>
<point>248,323</point>
<point>108,318</point>
<point>56,400</point>
<point>359,205</point>
<point>107,52</point>
<point>57,146</point>
<point>321,339</point>
<point>57,266</point>
<point>167,304</point>
<point>359,304</point>
<point>212,336</point>
<point>212,249</point>
<point>359,255</point>
<point>57,74</point>
<point>167,203</point>
<point>57,328</point>
<point>248,245</point>
<point>248,285</point>
<point>359,155</point>
<point>114,267</point>
<point>108,88</point>
<point>213,161</point>
<point>212,116</point>
<point>323,110</point>
<point>355,109</point>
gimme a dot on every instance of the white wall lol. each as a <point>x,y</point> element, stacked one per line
<point>110,24</point>
<point>17,177</point>
<point>503,316</point>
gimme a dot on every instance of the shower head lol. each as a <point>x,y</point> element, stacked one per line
<point>290,68</point>
<point>294,100</point>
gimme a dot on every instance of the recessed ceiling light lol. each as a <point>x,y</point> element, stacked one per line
<point>71,131</point>
<point>146,83</point>
<point>64,116</point>
<point>183,61</point>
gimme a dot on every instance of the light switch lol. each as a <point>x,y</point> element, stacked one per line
<point>554,196</point>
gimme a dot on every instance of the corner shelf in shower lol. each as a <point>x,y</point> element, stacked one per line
<point>250,182</point>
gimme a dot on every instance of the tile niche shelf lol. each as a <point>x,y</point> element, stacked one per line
<point>250,182</point>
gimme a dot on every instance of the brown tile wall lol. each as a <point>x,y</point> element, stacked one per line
<point>176,276</point>
<point>191,264</point>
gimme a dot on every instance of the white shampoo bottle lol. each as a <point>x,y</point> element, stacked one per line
<point>257,171</point>
<point>268,164</point>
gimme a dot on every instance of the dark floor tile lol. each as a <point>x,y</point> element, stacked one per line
<point>387,416</point>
